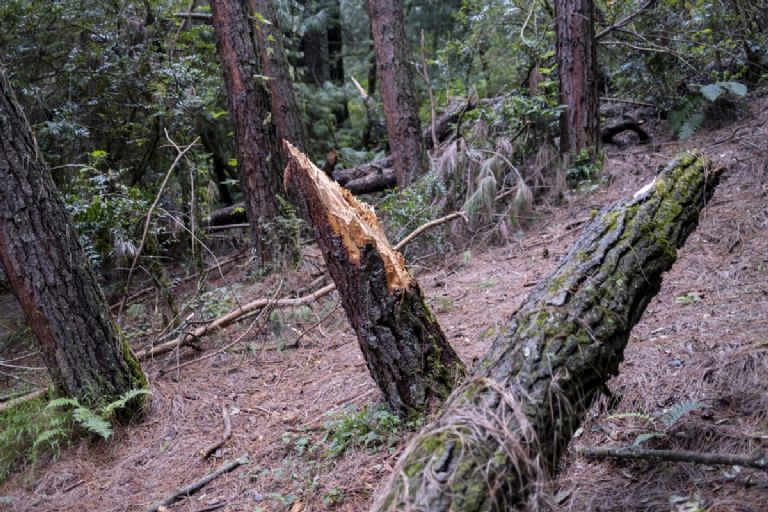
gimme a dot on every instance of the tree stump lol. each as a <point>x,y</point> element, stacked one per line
<point>403,345</point>
<point>504,430</point>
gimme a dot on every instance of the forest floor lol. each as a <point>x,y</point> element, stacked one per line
<point>702,341</point>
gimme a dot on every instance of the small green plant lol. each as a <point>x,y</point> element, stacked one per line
<point>668,418</point>
<point>688,116</point>
<point>94,421</point>
<point>584,169</point>
<point>334,496</point>
<point>688,298</point>
<point>368,428</point>
<point>29,430</point>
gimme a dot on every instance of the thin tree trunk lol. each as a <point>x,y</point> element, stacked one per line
<point>255,139</point>
<point>577,65</point>
<point>404,347</point>
<point>504,430</point>
<point>84,351</point>
<point>285,108</point>
<point>397,91</point>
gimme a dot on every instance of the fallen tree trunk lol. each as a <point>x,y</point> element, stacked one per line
<point>503,431</point>
<point>403,345</point>
<point>235,214</point>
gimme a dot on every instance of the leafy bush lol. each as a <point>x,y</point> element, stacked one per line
<point>369,428</point>
<point>690,114</point>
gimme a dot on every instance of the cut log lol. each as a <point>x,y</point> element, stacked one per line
<point>367,178</point>
<point>504,430</point>
<point>403,345</point>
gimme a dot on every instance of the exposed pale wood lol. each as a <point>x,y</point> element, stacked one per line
<point>403,345</point>
<point>208,451</point>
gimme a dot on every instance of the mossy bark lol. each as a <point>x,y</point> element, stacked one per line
<point>404,346</point>
<point>506,427</point>
<point>82,347</point>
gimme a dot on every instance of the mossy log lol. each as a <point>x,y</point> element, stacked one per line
<point>503,431</point>
<point>403,345</point>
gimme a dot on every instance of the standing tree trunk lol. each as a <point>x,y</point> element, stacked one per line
<point>397,90</point>
<point>577,65</point>
<point>84,351</point>
<point>285,108</point>
<point>404,347</point>
<point>255,138</point>
<point>501,432</point>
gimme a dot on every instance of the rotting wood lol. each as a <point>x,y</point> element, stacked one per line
<point>237,314</point>
<point>504,430</point>
<point>628,124</point>
<point>755,461</point>
<point>207,452</point>
<point>405,349</point>
<point>192,488</point>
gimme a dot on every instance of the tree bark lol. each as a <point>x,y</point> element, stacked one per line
<point>577,65</point>
<point>84,351</point>
<point>507,426</point>
<point>285,108</point>
<point>397,91</point>
<point>249,108</point>
<point>404,347</point>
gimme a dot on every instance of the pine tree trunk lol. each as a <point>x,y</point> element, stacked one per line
<point>506,427</point>
<point>285,108</point>
<point>397,90</point>
<point>84,351</point>
<point>577,65</point>
<point>404,347</point>
<point>255,139</point>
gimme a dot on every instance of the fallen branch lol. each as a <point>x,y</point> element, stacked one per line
<point>236,314</point>
<point>20,400</point>
<point>757,461</point>
<point>625,21</point>
<point>317,324</point>
<point>205,453</point>
<point>263,314</point>
<point>192,488</point>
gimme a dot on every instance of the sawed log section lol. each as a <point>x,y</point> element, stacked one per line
<point>505,428</point>
<point>403,345</point>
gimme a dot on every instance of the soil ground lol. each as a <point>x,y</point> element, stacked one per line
<point>702,340</point>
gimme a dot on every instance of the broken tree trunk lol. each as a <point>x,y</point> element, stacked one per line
<point>404,347</point>
<point>506,427</point>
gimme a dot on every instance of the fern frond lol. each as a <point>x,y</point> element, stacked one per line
<point>62,402</point>
<point>92,422</point>
<point>622,415</point>
<point>645,437</point>
<point>48,437</point>
<point>677,411</point>
<point>108,410</point>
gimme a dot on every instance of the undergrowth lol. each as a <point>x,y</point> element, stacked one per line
<point>37,428</point>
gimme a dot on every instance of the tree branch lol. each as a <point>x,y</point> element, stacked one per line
<point>756,461</point>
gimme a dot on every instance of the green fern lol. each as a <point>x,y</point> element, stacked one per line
<point>109,410</point>
<point>677,411</point>
<point>92,422</point>
<point>645,437</point>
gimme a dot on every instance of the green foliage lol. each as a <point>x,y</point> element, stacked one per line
<point>406,209</point>
<point>668,418</point>
<point>677,411</point>
<point>96,421</point>
<point>584,169</point>
<point>29,430</point>
<point>369,428</point>
<point>690,114</point>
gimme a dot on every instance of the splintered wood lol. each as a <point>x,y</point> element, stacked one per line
<point>353,222</point>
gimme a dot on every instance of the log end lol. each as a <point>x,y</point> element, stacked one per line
<point>353,223</point>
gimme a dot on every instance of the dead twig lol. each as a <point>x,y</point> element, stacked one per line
<point>20,400</point>
<point>295,343</point>
<point>181,151</point>
<point>205,453</point>
<point>757,461</point>
<point>625,21</point>
<point>192,488</point>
